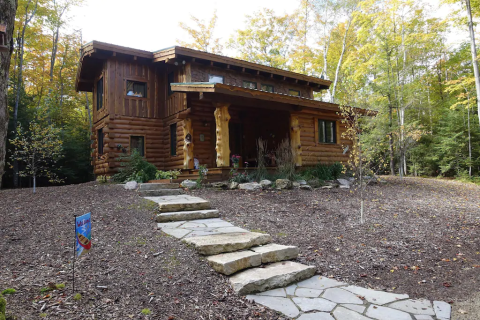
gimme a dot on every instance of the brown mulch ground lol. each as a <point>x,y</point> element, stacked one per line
<point>421,236</point>
<point>36,239</point>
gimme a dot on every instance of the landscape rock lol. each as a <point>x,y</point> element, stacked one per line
<point>283,184</point>
<point>344,182</point>
<point>331,183</point>
<point>306,187</point>
<point>295,184</point>
<point>250,186</point>
<point>131,185</point>
<point>377,297</point>
<point>314,183</point>
<point>314,304</point>
<point>188,184</point>
<point>384,313</point>
<point>341,296</point>
<point>319,282</point>
<point>442,309</point>
<point>420,306</point>
<point>233,185</point>
<point>229,263</point>
<point>266,183</point>
<point>316,316</point>
<point>182,202</point>
<point>345,314</point>
<point>283,305</point>
<point>187,215</point>
<point>273,252</point>
<point>220,185</point>
<point>228,242</point>
<point>344,186</point>
<point>302,182</point>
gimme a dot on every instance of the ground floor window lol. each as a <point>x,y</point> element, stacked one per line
<point>173,139</point>
<point>327,131</point>
<point>138,143</point>
<point>100,141</point>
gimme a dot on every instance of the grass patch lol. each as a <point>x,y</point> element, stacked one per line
<point>146,312</point>
<point>77,297</point>
<point>9,291</point>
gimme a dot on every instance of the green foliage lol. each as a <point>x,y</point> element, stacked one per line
<point>240,177</point>
<point>3,307</point>
<point>9,291</point>
<point>202,173</point>
<point>172,174</point>
<point>323,171</point>
<point>77,297</point>
<point>60,286</point>
<point>135,168</point>
<point>146,312</point>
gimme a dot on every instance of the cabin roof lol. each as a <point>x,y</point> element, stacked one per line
<point>93,53</point>
<point>232,90</point>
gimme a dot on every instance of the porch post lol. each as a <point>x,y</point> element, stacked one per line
<point>295,139</point>
<point>222,117</point>
<point>187,144</point>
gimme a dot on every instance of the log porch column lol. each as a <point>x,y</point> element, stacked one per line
<point>187,144</point>
<point>295,139</point>
<point>222,117</point>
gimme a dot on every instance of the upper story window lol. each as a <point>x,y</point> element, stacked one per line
<point>294,92</point>
<point>327,131</point>
<point>99,94</point>
<point>213,78</point>
<point>136,89</point>
<point>249,84</point>
<point>267,87</point>
<point>170,80</point>
<point>138,143</point>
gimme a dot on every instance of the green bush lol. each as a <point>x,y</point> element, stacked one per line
<point>3,307</point>
<point>172,174</point>
<point>323,171</point>
<point>135,168</point>
<point>9,291</point>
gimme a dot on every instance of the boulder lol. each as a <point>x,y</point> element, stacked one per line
<point>344,182</point>
<point>331,183</point>
<point>188,184</point>
<point>295,184</point>
<point>233,185</point>
<point>302,182</point>
<point>314,183</point>
<point>250,186</point>
<point>266,183</point>
<point>306,187</point>
<point>283,184</point>
<point>220,185</point>
<point>131,185</point>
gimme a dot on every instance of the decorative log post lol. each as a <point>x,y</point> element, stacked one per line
<point>295,140</point>
<point>188,144</point>
<point>222,117</point>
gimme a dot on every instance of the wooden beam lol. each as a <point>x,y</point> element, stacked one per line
<point>295,140</point>
<point>187,144</point>
<point>184,114</point>
<point>114,54</point>
<point>243,69</point>
<point>134,57</point>
<point>222,117</point>
<point>228,66</point>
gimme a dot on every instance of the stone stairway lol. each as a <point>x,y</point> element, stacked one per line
<point>263,271</point>
<point>159,189</point>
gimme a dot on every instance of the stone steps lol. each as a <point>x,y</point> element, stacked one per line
<point>228,242</point>
<point>275,275</point>
<point>158,186</point>
<point>187,215</point>
<point>160,192</point>
<point>229,263</point>
<point>182,202</point>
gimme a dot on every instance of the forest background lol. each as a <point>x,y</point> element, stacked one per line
<point>390,56</point>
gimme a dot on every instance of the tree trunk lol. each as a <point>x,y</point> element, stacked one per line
<point>474,55</point>
<point>339,64</point>
<point>8,10</point>
<point>469,144</point>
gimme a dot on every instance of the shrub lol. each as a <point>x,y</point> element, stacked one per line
<point>135,168</point>
<point>239,177</point>
<point>202,173</point>
<point>9,291</point>
<point>172,174</point>
<point>77,297</point>
<point>323,171</point>
<point>146,312</point>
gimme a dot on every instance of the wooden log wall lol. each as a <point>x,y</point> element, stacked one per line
<point>176,161</point>
<point>203,123</point>
<point>313,151</point>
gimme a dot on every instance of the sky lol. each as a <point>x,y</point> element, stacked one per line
<point>154,24</point>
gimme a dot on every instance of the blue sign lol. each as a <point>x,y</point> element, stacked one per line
<point>83,233</point>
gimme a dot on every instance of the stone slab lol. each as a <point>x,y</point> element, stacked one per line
<point>228,242</point>
<point>276,275</point>
<point>316,316</point>
<point>221,224</point>
<point>187,215</point>
<point>283,305</point>
<point>230,230</point>
<point>355,307</point>
<point>308,293</point>
<point>341,296</point>
<point>319,282</point>
<point>290,290</point>
<point>374,296</point>
<point>423,317</point>
<point>273,252</point>
<point>177,233</point>
<point>385,313</point>
<point>442,310</point>
<point>420,306</point>
<point>158,186</point>
<point>345,314</point>
<point>160,192</point>
<point>170,225</point>
<point>182,202</point>
<point>314,304</point>
<point>280,292</point>
<point>229,263</point>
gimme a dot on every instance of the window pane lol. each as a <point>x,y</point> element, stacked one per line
<point>267,87</point>
<point>328,131</point>
<point>138,143</point>
<point>249,84</point>
<point>136,89</point>
<point>99,94</point>
<point>321,131</point>
<point>215,79</point>
<point>294,92</point>
<point>173,139</point>
<point>100,141</point>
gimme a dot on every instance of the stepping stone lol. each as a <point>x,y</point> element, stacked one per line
<point>187,215</point>
<point>290,290</point>
<point>228,242</point>
<point>230,230</point>
<point>283,305</point>
<point>377,297</point>
<point>276,275</point>
<point>160,192</point>
<point>420,306</point>
<point>442,309</point>
<point>316,316</point>
<point>314,304</point>
<point>354,307</point>
<point>180,203</point>
<point>308,293</point>
<point>384,313</point>
<point>319,282</point>
<point>219,224</point>
<point>177,233</point>
<point>157,186</point>
<point>229,263</point>
<point>341,296</point>
<point>170,225</point>
<point>276,252</point>
<point>345,314</point>
<point>423,317</point>
<point>280,292</point>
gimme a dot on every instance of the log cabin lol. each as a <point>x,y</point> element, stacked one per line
<point>180,107</point>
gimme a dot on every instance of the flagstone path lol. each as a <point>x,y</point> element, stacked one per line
<point>262,271</point>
